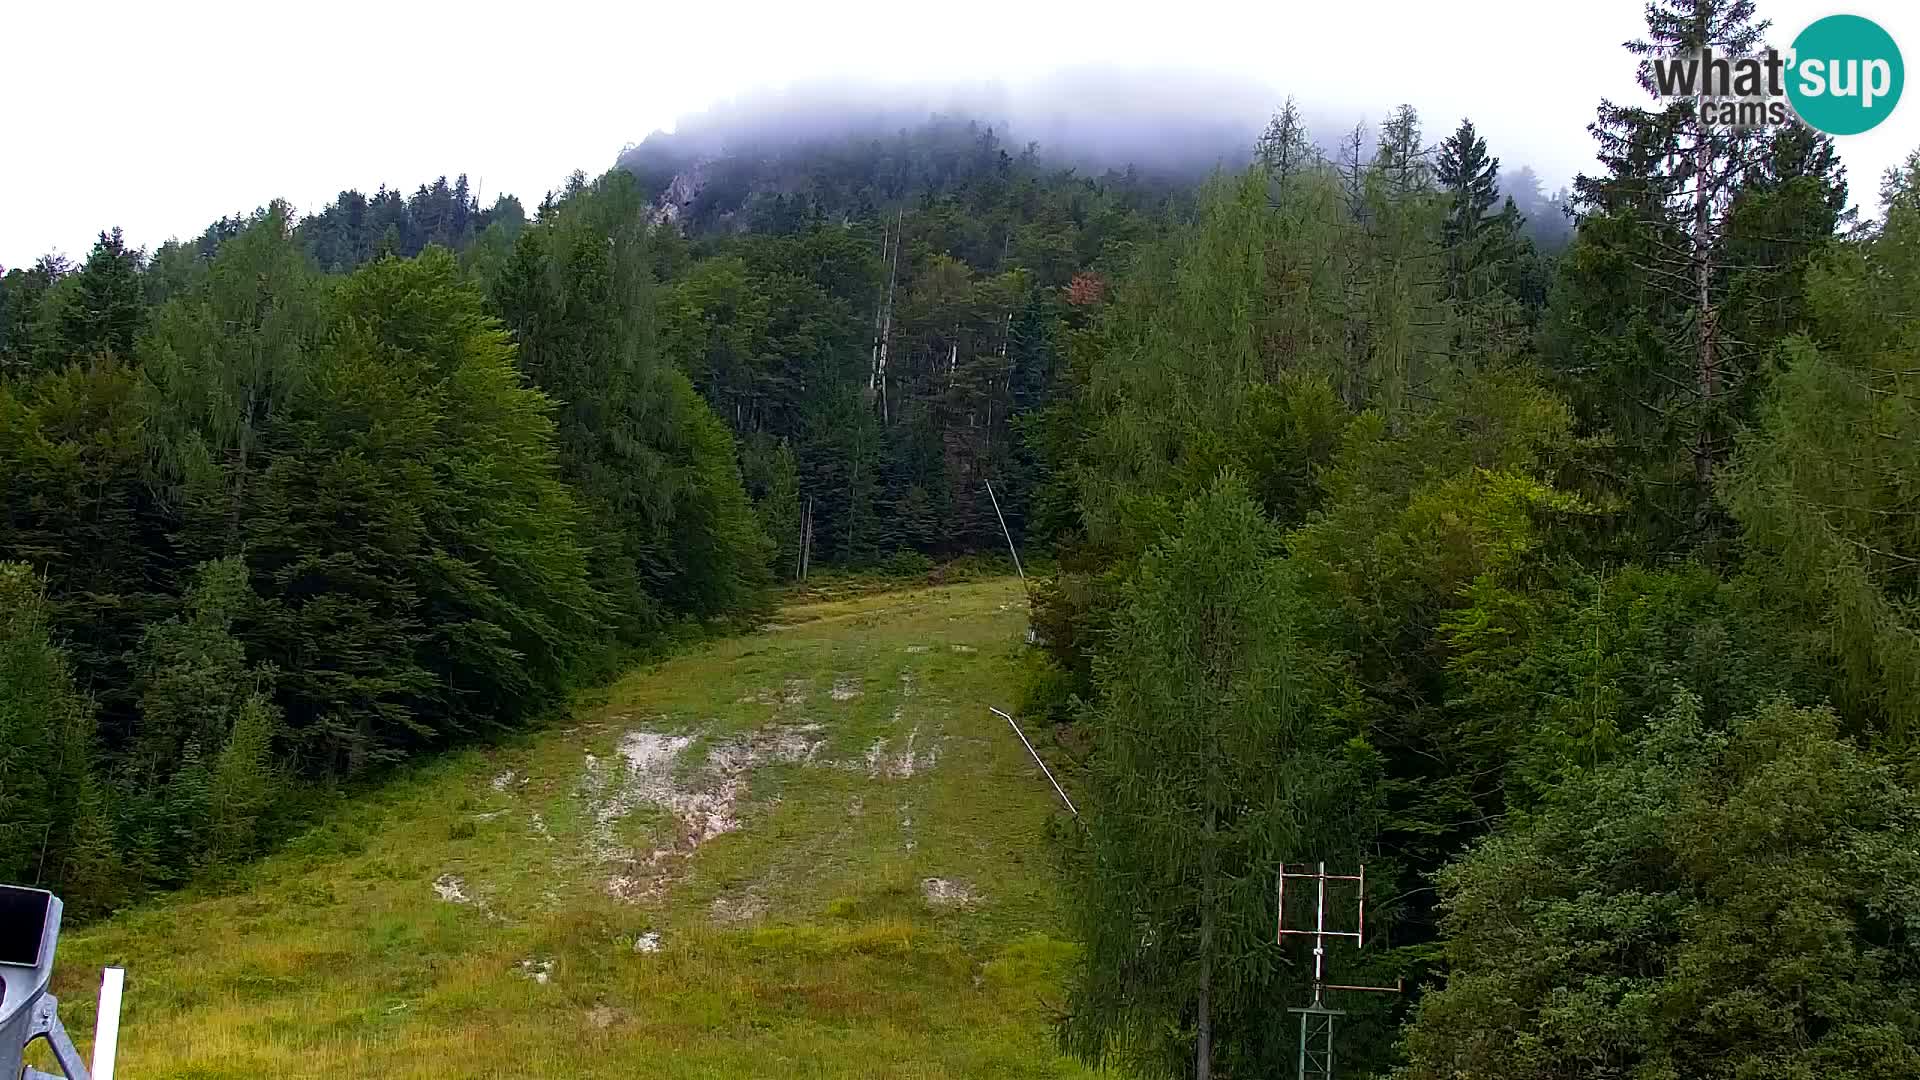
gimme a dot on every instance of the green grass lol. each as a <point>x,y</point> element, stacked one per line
<point>801,943</point>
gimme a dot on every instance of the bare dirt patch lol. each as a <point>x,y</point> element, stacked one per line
<point>900,761</point>
<point>940,892</point>
<point>702,805</point>
<point>452,888</point>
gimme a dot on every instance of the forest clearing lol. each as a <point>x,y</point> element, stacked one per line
<point>810,851</point>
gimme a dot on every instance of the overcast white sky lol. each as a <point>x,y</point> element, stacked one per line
<point>160,117</point>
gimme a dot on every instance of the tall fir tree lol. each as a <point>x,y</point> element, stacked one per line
<point>96,310</point>
<point>1480,241</point>
<point>23,295</point>
<point>1669,176</point>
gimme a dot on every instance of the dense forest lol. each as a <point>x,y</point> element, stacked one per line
<point>1554,556</point>
<point>1572,592</point>
<point>296,500</point>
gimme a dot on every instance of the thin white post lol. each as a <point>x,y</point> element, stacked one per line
<point>1280,907</point>
<point>1320,931</point>
<point>1360,931</point>
<point>1004,531</point>
<point>106,1029</point>
<point>1036,760</point>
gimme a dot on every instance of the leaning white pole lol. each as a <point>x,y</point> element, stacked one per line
<point>106,1030</point>
<point>1036,759</point>
<point>1010,548</point>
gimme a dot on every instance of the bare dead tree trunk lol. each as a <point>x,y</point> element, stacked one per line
<point>886,322</point>
<point>879,311</point>
<point>1706,361</point>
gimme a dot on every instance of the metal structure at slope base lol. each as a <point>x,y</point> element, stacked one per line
<point>1315,1059</point>
<point>29,933</point>
<point>1316,1041</point>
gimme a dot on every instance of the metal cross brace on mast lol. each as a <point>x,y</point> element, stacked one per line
<point>1317,1019</point>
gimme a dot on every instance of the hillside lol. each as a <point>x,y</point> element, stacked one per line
<point>1543,571</point>
<point>810,851</point>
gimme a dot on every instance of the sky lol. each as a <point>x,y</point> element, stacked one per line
<point>160,118</point>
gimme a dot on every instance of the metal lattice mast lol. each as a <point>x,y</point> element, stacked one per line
<point>1315,1061</point>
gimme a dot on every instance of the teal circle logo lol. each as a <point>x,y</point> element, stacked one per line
<point>1845,75</point>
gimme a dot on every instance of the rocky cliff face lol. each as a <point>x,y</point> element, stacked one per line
<point>680,193</point>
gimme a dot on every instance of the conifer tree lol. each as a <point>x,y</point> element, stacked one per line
<point>1791,203</point>
<point>23,293</point>
<point>1669,179</point>
<point>98,309</point>
<point>674,531</point>
<point>1714,904</point>
<point>75,504</point>
<point>1285,148</point>
<point>49,826</point>
<point>1213,762</point>
<point>1401,354</point>
<point>222,360</point>
<point>1823,483</point>
<point>1480,242</point>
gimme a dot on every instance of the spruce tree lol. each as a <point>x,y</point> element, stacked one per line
<point>98,309</point>
<point>1480,242</point>
<point>49,825</point>
<point>75,503</point>
<point>23,296</point>
<point>1400,355</point>
<point>1669,177</point>
<point>1791,203</point>
<point>655,467</point>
